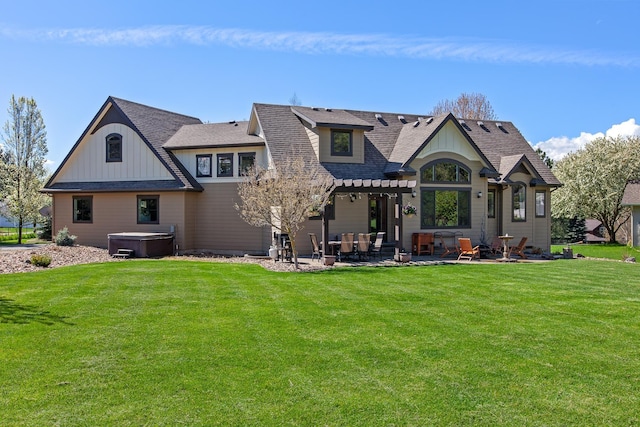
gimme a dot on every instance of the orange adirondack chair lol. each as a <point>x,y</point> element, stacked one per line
<point>448,250</point>
<point>518,250</point>
<point>467,251</point>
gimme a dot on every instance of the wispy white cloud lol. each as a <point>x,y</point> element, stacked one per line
<point>326,43</point>
<point>558,147</point>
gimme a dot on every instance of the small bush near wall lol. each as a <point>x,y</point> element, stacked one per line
<point>41,260</point>
<point>63,238</point>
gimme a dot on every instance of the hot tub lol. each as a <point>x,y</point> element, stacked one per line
<point>144,245</point>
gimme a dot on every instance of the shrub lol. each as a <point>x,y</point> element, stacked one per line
<point>41,260</point>
<point>63,238</point>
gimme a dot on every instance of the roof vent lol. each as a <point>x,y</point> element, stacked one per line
<point>232,122</point>
<point>499,126</point>
<point>429,120</point>
<point>480,123</point>
<point>378,116</point>
<point>314,108</point>
<point>464,125</point>
<point>416,123</point>
<point>401,118</point>
<point>327,109</point>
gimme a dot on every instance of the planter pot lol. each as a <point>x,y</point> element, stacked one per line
<point>404,257</point>
<point>410,215</point>
<point>328,259</point>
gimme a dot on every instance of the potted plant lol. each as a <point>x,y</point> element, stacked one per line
<point>409,210</point>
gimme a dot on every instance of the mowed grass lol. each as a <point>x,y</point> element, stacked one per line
<point>196,343</point>
<point>605,251</point>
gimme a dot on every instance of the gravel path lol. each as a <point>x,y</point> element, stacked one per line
<point>14,260</point>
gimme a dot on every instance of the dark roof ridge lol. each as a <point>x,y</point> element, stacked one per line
<point>153,108</point>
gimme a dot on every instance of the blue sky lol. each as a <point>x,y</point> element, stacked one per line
<point>562,71</point>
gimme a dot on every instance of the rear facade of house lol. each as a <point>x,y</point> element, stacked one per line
<point>141,169</point>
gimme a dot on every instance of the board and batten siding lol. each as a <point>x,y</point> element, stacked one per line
<point>117,212</point>
<point>88,161</point>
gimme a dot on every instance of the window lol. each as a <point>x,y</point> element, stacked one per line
<point>341,143</point>
<point>83,209</point>
<point>225,164</point>
<point>491,204</point>
<point>448,171</point>
<point>541,198</point>
<point>148,212</point>
<point>203,165</point>
<point>446,208</point>
<point>519,202</point>
<point>246,162</point>
<point>114,147</point>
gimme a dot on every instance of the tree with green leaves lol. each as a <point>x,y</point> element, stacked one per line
<point>594,179</point>
<point>285,197</point>
<point>474,106</point>
<point>24,141</point>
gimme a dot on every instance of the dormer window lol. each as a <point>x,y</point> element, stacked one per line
<point>341,143</point>
<point>114,147</point>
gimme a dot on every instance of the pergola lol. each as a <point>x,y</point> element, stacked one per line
<point>387,186</point>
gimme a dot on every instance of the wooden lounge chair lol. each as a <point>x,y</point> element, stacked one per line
<point>364,244</point>
<point>518,250</point>
<point>346,246</point>
<point>448,249</point>
<point>496,246</point>
<point>315,248</point>
<point>467,251</point>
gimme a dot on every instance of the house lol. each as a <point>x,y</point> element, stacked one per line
<point>594,231</point>
<point>139,168</point>
<point>631,198</point>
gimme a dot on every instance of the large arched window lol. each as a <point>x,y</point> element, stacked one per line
<point>114,147</point>
<point>445,171</point>
<point>450,206</point>
<point>519,202</point>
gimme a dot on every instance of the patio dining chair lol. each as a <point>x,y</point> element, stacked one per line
<point>377,245</point>
<point>315,248</point>
<point>346,246</point>
<point>468,251</point>
<point>364,245</point>
<point>518,250</point>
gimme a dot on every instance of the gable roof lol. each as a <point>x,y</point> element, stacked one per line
<point>154,126</point>
<point>212,135</point>
<point>631,194</point>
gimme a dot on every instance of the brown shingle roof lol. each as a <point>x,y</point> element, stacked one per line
<point>211,135</point>
<point>631,194</point>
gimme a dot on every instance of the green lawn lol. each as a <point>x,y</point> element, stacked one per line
<point>605,251</point>
<point>177,342</point>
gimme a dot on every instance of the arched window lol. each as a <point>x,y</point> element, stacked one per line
<point>450,206</point>
<point>114,147</point>
<point>445,171</point>
<point>519,202</point>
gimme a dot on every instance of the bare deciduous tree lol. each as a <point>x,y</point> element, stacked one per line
<point>284,198</point>
<point>467,106</point>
